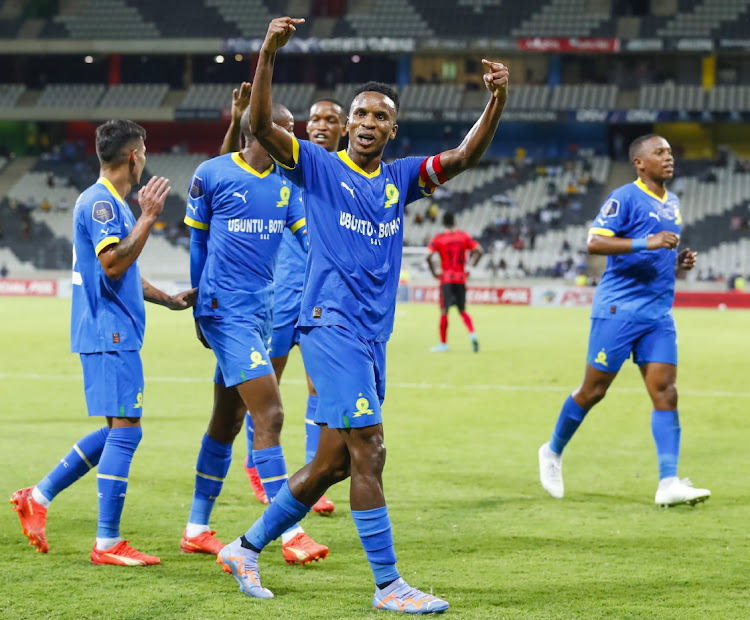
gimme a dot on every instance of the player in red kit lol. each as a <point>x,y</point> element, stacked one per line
<point>453,246</point>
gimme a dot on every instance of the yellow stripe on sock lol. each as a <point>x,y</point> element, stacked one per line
<point>82,455</point>
<point>108,477</point>
<point>274,479</point>
<point>207,477</point>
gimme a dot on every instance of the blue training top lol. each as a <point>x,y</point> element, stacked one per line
<point>106,314</point>
<point>355,224</point>
<point>637,287</point>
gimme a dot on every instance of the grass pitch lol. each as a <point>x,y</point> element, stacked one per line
<point>471,522</point>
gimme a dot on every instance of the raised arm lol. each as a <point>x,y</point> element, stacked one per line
<point>240,101</point>
<point>273,138</point>
<point>117,258</point>
<point>473,146</point>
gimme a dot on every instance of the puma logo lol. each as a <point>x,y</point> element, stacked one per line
<point>652,214</point>
<point>241,196</point>
<point>347,188</point>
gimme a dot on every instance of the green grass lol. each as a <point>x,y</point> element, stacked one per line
<point>470,520</point>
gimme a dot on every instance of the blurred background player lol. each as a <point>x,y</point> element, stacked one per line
<point>238,207</point>
<point>325,126</point>
<point>638,229</point>
<point>452,246</point>
<point>107,324</point>
<point>355,205</point>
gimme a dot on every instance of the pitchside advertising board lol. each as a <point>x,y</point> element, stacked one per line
<point>537,296</point>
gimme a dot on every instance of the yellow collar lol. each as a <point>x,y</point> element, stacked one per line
<point>348,161</point>
<point>642,186</point>
<point>110,187</point>
<point>248,168</point>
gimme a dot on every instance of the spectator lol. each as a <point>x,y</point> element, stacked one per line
<point>50,179</point>
<point>4,271</point>
<point>45,206</point>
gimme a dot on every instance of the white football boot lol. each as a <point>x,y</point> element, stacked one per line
<point>673,491</point>
<point>550,471</point>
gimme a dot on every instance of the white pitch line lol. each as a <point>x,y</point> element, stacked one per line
<point>399,385</point>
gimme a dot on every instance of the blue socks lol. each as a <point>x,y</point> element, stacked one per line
<point>312,430</point>
<point>374,528</point>
<point>283,513</point>
<point>112,478</point>
<point>212,467</point>
<point>665,427</point>
<point>570,418</point>
<point>271,469</point>
<point>83,456</point>
<point>250,434</point>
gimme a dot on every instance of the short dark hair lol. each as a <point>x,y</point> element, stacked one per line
<point>329,100</point>
<point>449,220</point>
<point>113,137</point>
<point>379,87</point>
<point>635,145</point>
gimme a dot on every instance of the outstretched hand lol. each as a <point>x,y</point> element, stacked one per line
<point>240,100</point>
<point>151,196</point>
<point>496,78</point>
<point>280,30</point>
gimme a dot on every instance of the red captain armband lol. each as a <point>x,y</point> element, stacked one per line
<point>431,172</point>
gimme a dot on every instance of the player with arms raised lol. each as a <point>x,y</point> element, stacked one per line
<point>238,208</point>
<point>108,320</point>
<point>452,247</point>
<point>355,205</point>
<point>638,229</point>
<point>325,126</point>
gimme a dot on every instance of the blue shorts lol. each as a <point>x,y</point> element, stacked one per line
<point>611,342</point>
<point>239,347</point>
<point>286,307</point>
<point>113,383</point>
<point>348,373</point>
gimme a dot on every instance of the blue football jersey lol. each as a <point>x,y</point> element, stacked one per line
<point>355,224</point>
<point>245,213</point>
<point>290,264</point>
<point>106,314</point>
<point>637,287</point>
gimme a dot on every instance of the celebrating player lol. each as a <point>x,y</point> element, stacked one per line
<point>452,246</point>
<point>355,204</point>
<point>107,324</point>
<point>638,229</point>
<point>238,207</point>
<point>325,127</point>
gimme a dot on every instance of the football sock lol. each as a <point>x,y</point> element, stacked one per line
<point>250,434</point>
<point>272,472</point>
<point>665,427</point>
<point>283,513</point>
<point>112,478</point>
<point>312,430</point>
<point>211,469</point>
<point>570,418</point>
<point>106,543</point>
<point>443,328</point>
<point>83,456</point>
<point>467,321</point>
<point>374,528</point>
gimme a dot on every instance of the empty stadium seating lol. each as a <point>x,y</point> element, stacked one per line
<point>105,19</point>
<point>134,96</point>
<point>71,96</point>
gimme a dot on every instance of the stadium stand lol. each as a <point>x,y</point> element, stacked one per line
<point>391,18</point>
<point>671,97</point>
<point>10,94</point>
<point>705,18</point>
<point>573,96</point>
<point>71,96</point>
<point>565,18</point>
<point>178,168</point>
<point>431,96</point>
<point>250,17</point>
<point>105,19</point>
<point>134,96</point>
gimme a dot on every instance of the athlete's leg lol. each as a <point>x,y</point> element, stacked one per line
<point>279,363</point>
<point>214,458</point>
<point>460,294</point>
<point>660,380</point>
